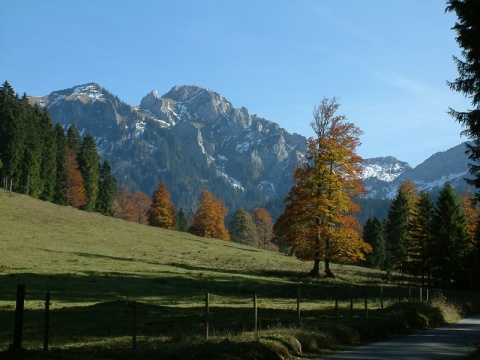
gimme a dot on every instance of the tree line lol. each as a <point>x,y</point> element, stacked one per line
<point>435,241</point>
<point>45,162</point>
<point>253,228</point>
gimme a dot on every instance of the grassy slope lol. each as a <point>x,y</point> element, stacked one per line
<point>95,265</point>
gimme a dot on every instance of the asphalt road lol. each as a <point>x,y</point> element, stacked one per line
<point>450,342</point>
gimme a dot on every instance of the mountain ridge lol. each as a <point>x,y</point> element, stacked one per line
<point>192,138</point>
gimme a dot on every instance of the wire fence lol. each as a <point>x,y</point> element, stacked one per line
<point>46,327</point>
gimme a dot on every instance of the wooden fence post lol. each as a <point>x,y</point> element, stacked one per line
<point>18,326</point>
<point>255,314</point>
<point>399,292</point>
<point>299,318</point>
<point>336,307</point>
<point>351,304</point>
<point>421,294</point>
<point>207,313</point>
<point>366,305</point>
<point>46,322</point>
<point>381,297</point>
<point>134,324</point>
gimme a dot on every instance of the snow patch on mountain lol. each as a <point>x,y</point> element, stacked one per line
<point>383,168</point>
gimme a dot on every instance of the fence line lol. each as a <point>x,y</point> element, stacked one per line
<point>370,302</point>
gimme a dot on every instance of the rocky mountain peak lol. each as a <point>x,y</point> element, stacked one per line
<point>246,157</point>
<point>384,168</point>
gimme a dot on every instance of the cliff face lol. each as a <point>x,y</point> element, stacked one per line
<point>225,148</point>
<point>192,138</point>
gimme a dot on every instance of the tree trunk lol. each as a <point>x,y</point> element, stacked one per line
<point>328,272</point>
<point>316,266</point>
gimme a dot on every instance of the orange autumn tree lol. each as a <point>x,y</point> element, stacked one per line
<point>140,204</point>
<point>132,207</point>
<point>75,194</point>
<point>162,211</point>
<point>319,222</point>
<point>264,224</point>
<point>471,211</point>
<point>209,219</point>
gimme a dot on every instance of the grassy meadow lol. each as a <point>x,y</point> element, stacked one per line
<point>96,266</point>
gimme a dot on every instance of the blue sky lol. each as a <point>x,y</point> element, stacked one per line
<point>387,61</point>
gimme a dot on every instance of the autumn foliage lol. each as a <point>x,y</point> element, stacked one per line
<point>132,207</point>
<point>75,186</point>
<point>264,224</point>
<point>162,211</point>
<point>209,219</point>
<point>319,222</point>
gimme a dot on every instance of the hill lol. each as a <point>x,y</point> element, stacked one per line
<point>96,266</point>
<point>44,238</point>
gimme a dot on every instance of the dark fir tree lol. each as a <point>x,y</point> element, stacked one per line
<point>12,136</point>
<point>31,181</point>
<point>61,177</point>
<point>421,237</point>
<point>107,190</point>
<point>243,229</point>
<point>450,238</point>
<point>89,164</point>
<point>74,140</point>
<point>467,29</point>
<point>48,168</point>
<point>182,223</point>
<point>397,232</point>
<point>373,235</point>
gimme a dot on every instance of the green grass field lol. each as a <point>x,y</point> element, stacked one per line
<point>96,266</point>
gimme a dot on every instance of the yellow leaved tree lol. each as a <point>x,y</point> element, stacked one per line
<point>318,222</point>
<point>209,219</point>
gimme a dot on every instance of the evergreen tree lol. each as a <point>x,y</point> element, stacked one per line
<point>182,224</point>
<point>373,235</point>
<point>450,238</point>
<point>467,29</point>
<point>89,164</point>
<point>61,177</point>
<point>107,190</point>
<point>397,229</point>
<point>31,182</point>
<point>242,229</point>
<point>162,211</point>
<point>74,140</point>
<point>12,136</point>
<point>48,169</point>
<point>421,237</point>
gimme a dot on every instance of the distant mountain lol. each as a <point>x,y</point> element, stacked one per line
<point>193,138</point>
<point>383,176</point>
